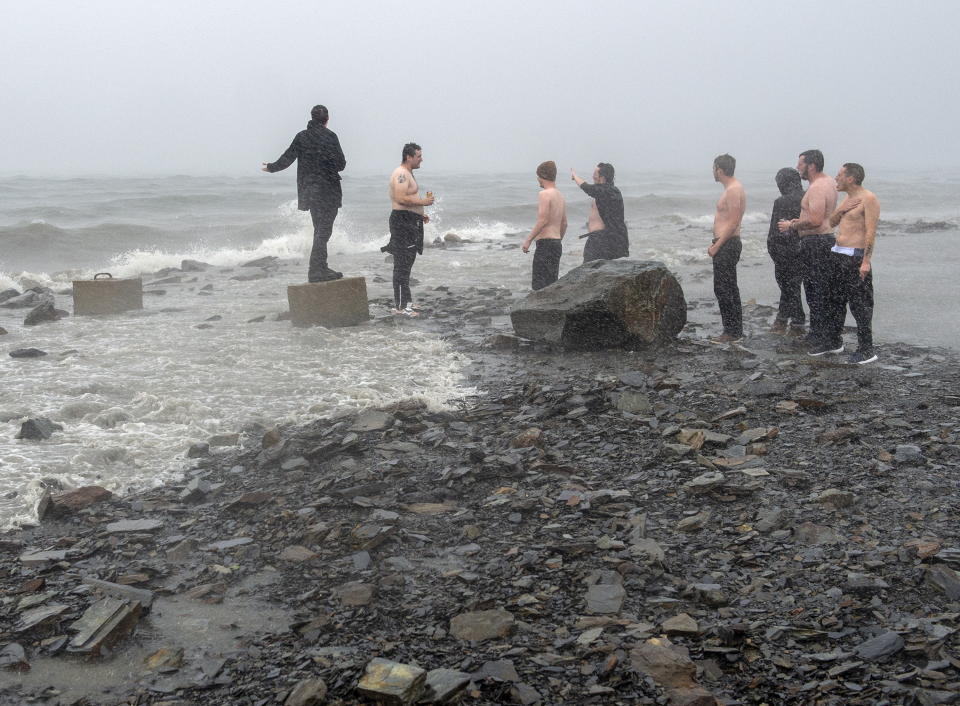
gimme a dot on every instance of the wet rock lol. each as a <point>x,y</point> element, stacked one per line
<point>103,624</point>
<point>605,598</point>
<point>223,440</point>
<point>165,659</point>
<point>444,686</point>
<point>267,261</point>
<point>672,671</point>
<point>125,526</point>
<point>605,303</point>
<point>38,429</point>
<point>3,331</point>
<point>42,559</point>
<point>8,294</point>
<point>694,523</point>
<point>36,617</point>
<point>390,682</point>
<point>195,491</point>
<point>501,670</point>
<point>482,625</point>
<point>27,299</point>
<point>184,550</point>
<point>811,533</point>
<point>835,498</point>
<point>13,657</point>
<point>681,624</point>
<point>79,499</point>
<point>908,454</point>
<point>705,483</point>
<point>227,544</point>
<point>27,353</point>
<point>528,438</point>
<point>634,402</point>
<point>198,450</point>
<point>116,590</point>
<point>41,314</point>
<point>193,266</point>
<point>372,420</point>
<point>297,554</point>
<point>309,692</point>
<point>355,593</point>
<point>881,646</point>
<point>525,695</point>
<point>647,550</point>
<point>946,580</point>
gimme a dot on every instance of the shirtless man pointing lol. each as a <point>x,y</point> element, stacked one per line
<point>406,226</point>
<point>725,248</point>
<point>851,280</point>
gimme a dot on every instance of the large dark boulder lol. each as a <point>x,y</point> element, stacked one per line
<point>41,314</point>
<point>605,304</point>
<point>8,294</point>
<point>38,429</point>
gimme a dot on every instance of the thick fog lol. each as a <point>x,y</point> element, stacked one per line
<point>216,87</point>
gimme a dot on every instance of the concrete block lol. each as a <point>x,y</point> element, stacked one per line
<point>339,302</point>
<point>106,295</point>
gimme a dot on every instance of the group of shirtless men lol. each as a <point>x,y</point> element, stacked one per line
<point>835,271</point>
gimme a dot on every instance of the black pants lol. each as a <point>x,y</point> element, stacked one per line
<point>546,262</point>
<point>725,286</point>
<point>605,245</point>
<point>403,260</point>
<point>816,256</point>
<point>788,271</point>
<point>323,218</point>
<point>847,288</point>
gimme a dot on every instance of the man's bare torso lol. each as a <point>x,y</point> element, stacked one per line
<point>556,208</point>
<point>730,209</point>
<point>594,222</point>
<point>403,183</point>
<point>823,189</point>
<point>853,225</point>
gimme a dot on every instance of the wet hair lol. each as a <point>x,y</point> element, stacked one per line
<point>855,172</point>
<point>320,114</point>
<point>410,150</point>
<point>726,164</point>
<point>813,158</point>
<point>606,171</point>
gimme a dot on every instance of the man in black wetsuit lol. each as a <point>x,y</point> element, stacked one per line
<point>784,249</point>
<point>319,163</point>
<point>607,236</point>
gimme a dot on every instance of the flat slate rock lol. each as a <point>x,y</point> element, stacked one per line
<point>124,526</point>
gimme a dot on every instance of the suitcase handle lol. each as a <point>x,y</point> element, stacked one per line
<point>105,274</point>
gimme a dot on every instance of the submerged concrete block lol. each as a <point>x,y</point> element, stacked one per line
<point>339,302</point>
<point>106,295</point>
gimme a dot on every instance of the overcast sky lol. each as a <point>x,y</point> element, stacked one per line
<point>216,87</point>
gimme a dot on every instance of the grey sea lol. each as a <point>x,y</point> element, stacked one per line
<point>134,391</point>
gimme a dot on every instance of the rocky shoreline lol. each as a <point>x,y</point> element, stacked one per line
<point>693,524</point>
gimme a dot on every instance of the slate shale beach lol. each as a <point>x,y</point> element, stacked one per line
<point>688,524</point>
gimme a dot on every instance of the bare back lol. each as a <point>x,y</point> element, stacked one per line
<point>552,210</point>
<point>403,185</point>
<point>730,209</point>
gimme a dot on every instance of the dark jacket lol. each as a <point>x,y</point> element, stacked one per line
<point>609,205</point>
<point>319,163</point>
<point>787,207</point>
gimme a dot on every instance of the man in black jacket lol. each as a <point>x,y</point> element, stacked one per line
<point>607,236</point>
<point>319,163</point>
<point>784,249</point>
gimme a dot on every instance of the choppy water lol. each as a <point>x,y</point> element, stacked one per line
<point>133,391</point>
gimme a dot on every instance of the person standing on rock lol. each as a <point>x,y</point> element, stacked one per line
<point>784,249</point>
<point>319,163</point>
<point>725,248</point>
<point>607,231</point>
<point>851,271</point>
<point>406,226</point>
<point>816,239</point>
<point>549,229</point>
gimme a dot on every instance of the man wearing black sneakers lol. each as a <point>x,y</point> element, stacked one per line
<point>851,279</point>
<point>816,239</point>
<point>319,163</point>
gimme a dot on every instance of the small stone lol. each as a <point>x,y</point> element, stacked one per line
<point>27,353</point>
<point>835,498</point>
<point>79,499</point>
<point>309,692</point>
<point>906,454</point>
<point>605,598</point>
<point>297,554</point>
<point>165,659</point>
<point>501,670</point>
<point>681,624</point>
<point>224,440</point>
<point>946,580</point>
<point>444,685</point>
<point>634,402</point>
<point>879,647</point>
<point>196,490</point>
<point>354,593</point>
<point>528,438</point>
<point>372,420</point>
<point>124,526</point>
<point>810,533</point>
<point>13,657</point>
<point>694,523</point>
<point>482,625</point>
<point>198,450</point>
<point>705,482</point>
<point>183,551</point>
<point>391,682</point>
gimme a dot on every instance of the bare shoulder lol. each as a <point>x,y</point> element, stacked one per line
<point>869,197</point>
<point>399,175</point>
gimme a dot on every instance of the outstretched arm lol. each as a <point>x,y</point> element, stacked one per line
<point>286,159</point>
